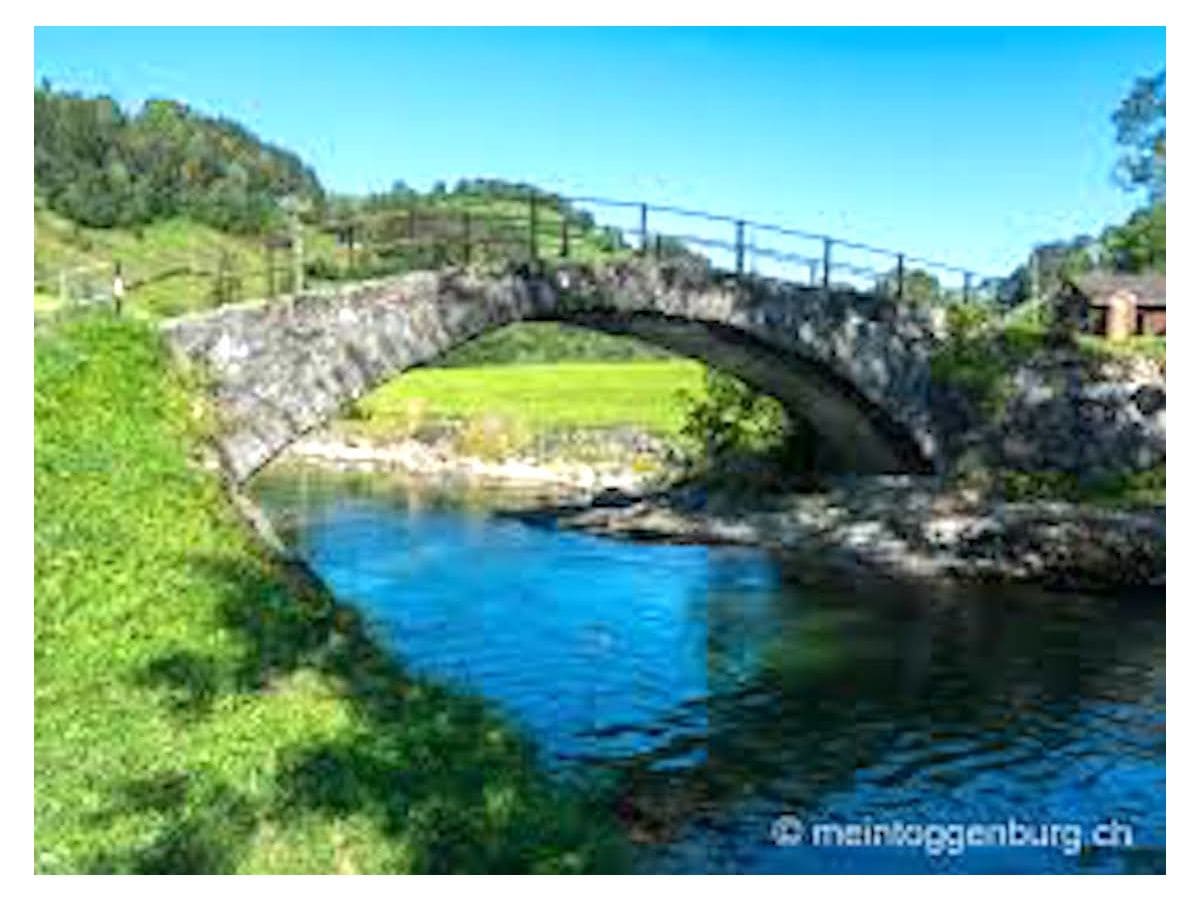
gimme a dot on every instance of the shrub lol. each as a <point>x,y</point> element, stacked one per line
<point>491,437</point>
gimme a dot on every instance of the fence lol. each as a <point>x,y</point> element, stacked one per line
<point>470,229</point>
<point>747,247</point>
<point>587,227</point>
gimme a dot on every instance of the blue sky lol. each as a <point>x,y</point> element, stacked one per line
<point>967,145</point>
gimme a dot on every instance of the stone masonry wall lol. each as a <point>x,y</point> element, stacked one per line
<point>279,369</point>
<point>856,366</point>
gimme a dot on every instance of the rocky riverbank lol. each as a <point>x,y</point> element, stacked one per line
<point>906,527</point>
<point>909,528</point>
<point>627,462</point>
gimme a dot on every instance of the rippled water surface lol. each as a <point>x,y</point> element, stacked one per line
<point>716,697</point>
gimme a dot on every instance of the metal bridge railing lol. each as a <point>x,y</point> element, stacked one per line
<point>539,227</point>
<point>746,246</point>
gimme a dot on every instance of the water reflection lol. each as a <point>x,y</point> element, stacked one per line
<point>711,696</point>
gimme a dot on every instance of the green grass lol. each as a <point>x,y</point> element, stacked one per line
<point>170,266</point>
<point>167,265</point>
<point>509,218</point>
<point>539,398</point>
<point>201,708</point>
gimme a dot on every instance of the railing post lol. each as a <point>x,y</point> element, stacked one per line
<point>645,233</point>
<point>296,227</point>
<point>741,247</point>
<point>900,276</point>
<point>466,237</point>
<point>564,244</point>
<point>658,247</point>
<point>533,251</point>
<point>219,280</point>
<point>966,287</point>
<point>118,287</point>
<point>270,268</point>
<point>411,241</point>
<point>826,261</point>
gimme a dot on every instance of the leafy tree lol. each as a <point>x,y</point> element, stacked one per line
<point>1141,122</point>
<point>1056,263</point>
<point>729,417</point>
<point>919,286</point>
<point>1140,244</point>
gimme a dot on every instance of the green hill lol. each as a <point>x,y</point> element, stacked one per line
<point>169,266</point>
<point>191,209</point>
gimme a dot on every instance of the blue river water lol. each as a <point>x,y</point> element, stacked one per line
<point>747,721</point>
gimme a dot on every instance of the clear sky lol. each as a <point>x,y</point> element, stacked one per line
<point>968,145</point>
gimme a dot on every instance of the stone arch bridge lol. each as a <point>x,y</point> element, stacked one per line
<point>855,366</point>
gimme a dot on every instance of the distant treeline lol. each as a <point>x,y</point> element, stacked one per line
<point>102,167</point>
<point>401,197</point>
<point>547,342</point>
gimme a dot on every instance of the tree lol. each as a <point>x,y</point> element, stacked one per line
<point>1050,266</point>
<point>729,417</point>
<point>99,166</point>
<point>1141,122</point>
<point>919,286</point>
<point>1140,244</point>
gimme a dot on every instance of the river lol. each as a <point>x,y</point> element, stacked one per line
<point>746,723</point>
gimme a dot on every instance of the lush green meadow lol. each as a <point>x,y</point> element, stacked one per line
<point>649,394</point>
<point>202,708</point>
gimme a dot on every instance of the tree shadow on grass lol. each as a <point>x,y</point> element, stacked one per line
<point>190,681</point>
<point>450,784</point>
<point>199,833</point>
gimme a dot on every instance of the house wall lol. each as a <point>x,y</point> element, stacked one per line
<point>1152,320</point>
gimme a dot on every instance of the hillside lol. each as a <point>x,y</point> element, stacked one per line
<point>192,210</point>
<point>179,264</point>
<point>169,266</point>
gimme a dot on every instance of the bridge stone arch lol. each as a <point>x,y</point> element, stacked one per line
<point>854,366</point>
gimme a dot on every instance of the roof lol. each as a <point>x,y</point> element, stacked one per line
<point>1148,287</point>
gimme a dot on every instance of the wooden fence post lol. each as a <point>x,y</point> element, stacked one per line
<point>269,252</point>
<point>297,255</point>
<point>533,248</point>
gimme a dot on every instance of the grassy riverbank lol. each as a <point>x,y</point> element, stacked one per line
<point>200,708</point>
